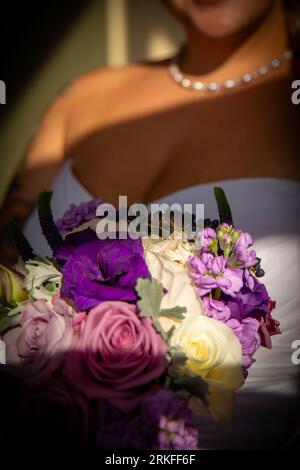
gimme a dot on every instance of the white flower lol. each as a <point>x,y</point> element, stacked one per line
<point>206,348</point>
<point>167,262</point>
<point>42,279</point>
<point>212,350</point>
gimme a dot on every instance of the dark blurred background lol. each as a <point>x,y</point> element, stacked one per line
<point>29,32</point>
<point>45,45</point>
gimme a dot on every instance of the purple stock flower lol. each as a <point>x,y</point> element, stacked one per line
<point>216,309</point>
<point>212,272</point>
<point>246,314</point>
<point>249,279</point>
<point>207,236</point>
<point>76,215</point>
<point>162,422</point>
<point>247,331</point>
<point>242,256</point>
<point>97,270</point>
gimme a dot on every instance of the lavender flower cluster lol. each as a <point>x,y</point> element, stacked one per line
<point>225,273</point>
<point>77,215</point>
<point>162,423</point>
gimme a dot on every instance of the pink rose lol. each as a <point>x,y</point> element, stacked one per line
<point>38,347</point>
<point>56,414</point>
<point>117,352</point>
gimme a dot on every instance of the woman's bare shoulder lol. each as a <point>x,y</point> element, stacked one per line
<point>103,79</point>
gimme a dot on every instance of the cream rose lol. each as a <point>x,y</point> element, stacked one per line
<point>167,262</point>
<point>212,352</point>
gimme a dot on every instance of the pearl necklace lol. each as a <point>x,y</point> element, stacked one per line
<point>198,85</point>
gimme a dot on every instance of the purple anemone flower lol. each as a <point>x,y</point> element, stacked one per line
<point>98,270</point>
<point>250,302</point>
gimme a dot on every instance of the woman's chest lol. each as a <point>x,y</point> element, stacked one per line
<point>152,154</point>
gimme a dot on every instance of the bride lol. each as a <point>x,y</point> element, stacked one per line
<point>220,111</point>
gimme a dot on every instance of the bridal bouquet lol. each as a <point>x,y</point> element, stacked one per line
<point>120,343</point>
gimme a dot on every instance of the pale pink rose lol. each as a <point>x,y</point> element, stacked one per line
<point>37,348</point>
<point>116,353</point>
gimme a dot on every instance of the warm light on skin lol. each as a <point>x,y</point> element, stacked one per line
<point>220,18</point>
<point>138,92</point>
<point>217,58</point>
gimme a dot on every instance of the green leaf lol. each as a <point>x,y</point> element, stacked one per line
<point>16,310</point>
<point>21,242</point>
<point>176,313</point>
<point>181,379</point>
<point>166,335</point>
<point>225,215</point>
<point>7,322</point>
<point>160,330</point>
<point>4,309</point>
<point>195,386</point>
<point>214,246</point>
<point>49,229</point>
<point>151,294</point>
<point>4,323</point>
<point>170,333</point>
<point>51,287</point>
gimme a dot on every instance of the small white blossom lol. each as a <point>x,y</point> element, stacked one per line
<point>42,279</point>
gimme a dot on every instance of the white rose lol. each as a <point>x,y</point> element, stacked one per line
<point>214,354</point>
<point>212,351</point>
<point>167,262</point>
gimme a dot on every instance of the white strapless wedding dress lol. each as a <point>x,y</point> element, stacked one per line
<point>268,406</point>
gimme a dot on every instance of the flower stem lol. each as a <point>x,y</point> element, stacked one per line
<point>217,294</point>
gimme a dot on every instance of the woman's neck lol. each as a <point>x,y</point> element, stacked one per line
<point>220,59</point>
